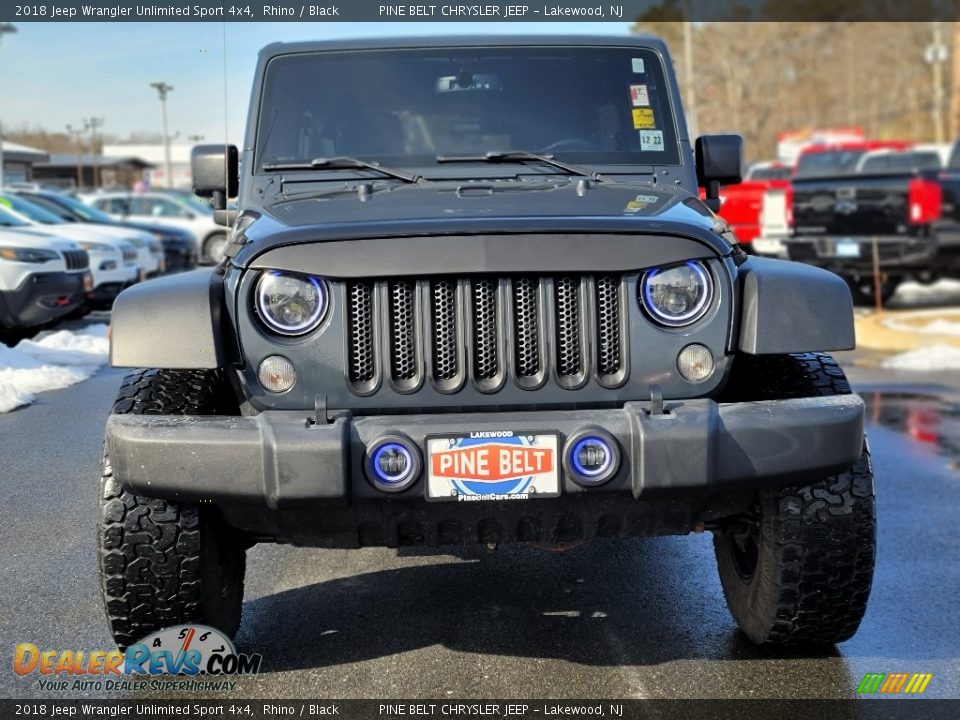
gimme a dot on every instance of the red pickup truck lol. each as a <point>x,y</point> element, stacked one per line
<point>740,205</point>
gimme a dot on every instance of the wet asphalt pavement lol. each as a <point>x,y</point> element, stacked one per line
<point>640,618</point>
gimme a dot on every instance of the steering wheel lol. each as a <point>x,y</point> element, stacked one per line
<point>571,144</point>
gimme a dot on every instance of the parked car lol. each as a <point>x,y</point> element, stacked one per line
<point>835,159</point>
<point>444,335</point>
<point>162,208</point>
<point>42,278</point>
<point>113,263</point>
<point>149,250</point>
<point>902,208</point>
<point>179,248</point>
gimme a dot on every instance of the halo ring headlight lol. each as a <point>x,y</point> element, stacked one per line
<point>291,304</point>
<point>678,295</point>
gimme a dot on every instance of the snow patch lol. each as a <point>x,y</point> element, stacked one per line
<point>55,361</point>
<point>936,357</point>
<point>938,324</point>
<point>942,292</point>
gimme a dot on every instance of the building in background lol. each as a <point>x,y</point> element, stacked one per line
<point>18,161</point>
<point>92,171</point>
<point>153,154</point>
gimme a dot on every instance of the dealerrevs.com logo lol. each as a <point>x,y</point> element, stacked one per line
<point>182,650</point>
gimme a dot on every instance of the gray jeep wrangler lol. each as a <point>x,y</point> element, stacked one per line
<point>471,296</point>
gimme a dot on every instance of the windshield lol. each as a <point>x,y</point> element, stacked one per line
<point>830,162</point>
<point>769,172</point>
<point>594,105</point>
<point>37,214</point>
<point>8,219</point>
<point>193,202</point>
<point>901,162</point>
<point>74,208</point>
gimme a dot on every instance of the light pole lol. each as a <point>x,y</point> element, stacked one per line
<point>4,28</point>
<point>935,55</point>
<point>93,124</point>
<point>162,89</point>
<point>76,134</point>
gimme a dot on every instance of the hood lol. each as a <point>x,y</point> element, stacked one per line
<point>322,211</point>
<point>317,202</point>
<point>36,239</point>
<point>84,233</point>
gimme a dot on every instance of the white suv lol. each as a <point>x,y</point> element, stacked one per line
<point>162,208</point>
<point>114,263</point>
<point>42,278</point>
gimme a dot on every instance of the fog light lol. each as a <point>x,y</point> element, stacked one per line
<point>392,464</point>
<point>276,374</point>
<point>592,457</point>
<point>695,363</point>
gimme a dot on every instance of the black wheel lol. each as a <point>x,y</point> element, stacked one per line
<point>798,568</point>
<point>864,291</point>
<point>164,563</point>
<point>214,248</point>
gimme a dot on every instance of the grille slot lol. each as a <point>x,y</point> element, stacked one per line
<point>361,359</point>
<point>526,327</point>
<point>486,353</point>
<point>485,331</point>
<point>403,332</point>
<point>76,259</point>
<point>568,327</point>
<point>446,329</point>
<point>609,345</point>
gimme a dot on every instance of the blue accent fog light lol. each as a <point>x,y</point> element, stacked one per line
<point>592,457</point>
<point>392,464</point>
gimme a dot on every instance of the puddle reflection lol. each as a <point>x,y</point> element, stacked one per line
<point>928,421</point>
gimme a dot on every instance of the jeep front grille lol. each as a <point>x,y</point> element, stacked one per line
<point>76,259</point>
<point>485,330</point>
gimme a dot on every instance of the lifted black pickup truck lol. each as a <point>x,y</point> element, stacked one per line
<point>910,218</point>
<point>471,296</point>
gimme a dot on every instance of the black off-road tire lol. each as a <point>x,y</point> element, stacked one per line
<point>214,247</point>
<point>864,292</point>
<point>798,569</point>
<point>164,563</point>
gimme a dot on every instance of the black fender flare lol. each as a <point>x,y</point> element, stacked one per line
<point>174,322</point>
<point>788,307</point>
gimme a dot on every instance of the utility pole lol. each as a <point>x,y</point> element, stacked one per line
<point>77,134</point>
<point>688,75</point>
<point>955,99</point>
<point>162,89</point>
<point>93,124</point>
<point>4,28</point>
<point>935,55</point>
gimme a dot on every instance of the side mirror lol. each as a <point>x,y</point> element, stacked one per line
<point>719,162</point>
<point>216,173</point>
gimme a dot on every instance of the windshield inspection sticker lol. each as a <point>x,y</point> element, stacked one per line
<point>639,97</point>
<point>651,140</point>
<point>638,66</point>
<point>641,201</point>
<point>643,118</point>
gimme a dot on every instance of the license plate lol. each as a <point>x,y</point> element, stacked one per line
<point>497,465</point>
<point>848,248</point>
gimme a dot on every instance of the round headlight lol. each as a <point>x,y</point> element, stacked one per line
<point>678,295</point>
<point>291,304</point>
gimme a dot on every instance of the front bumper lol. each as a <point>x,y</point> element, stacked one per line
<point>43,297</point>
<point>281,463</point>
<point>896,253</point>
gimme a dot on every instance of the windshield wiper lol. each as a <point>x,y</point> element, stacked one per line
<point>517,156</point>
<point>340,163</point>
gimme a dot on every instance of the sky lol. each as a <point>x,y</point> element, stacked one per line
<point>55,74</point>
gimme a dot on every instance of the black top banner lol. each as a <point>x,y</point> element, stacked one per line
<point>482,10</point>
